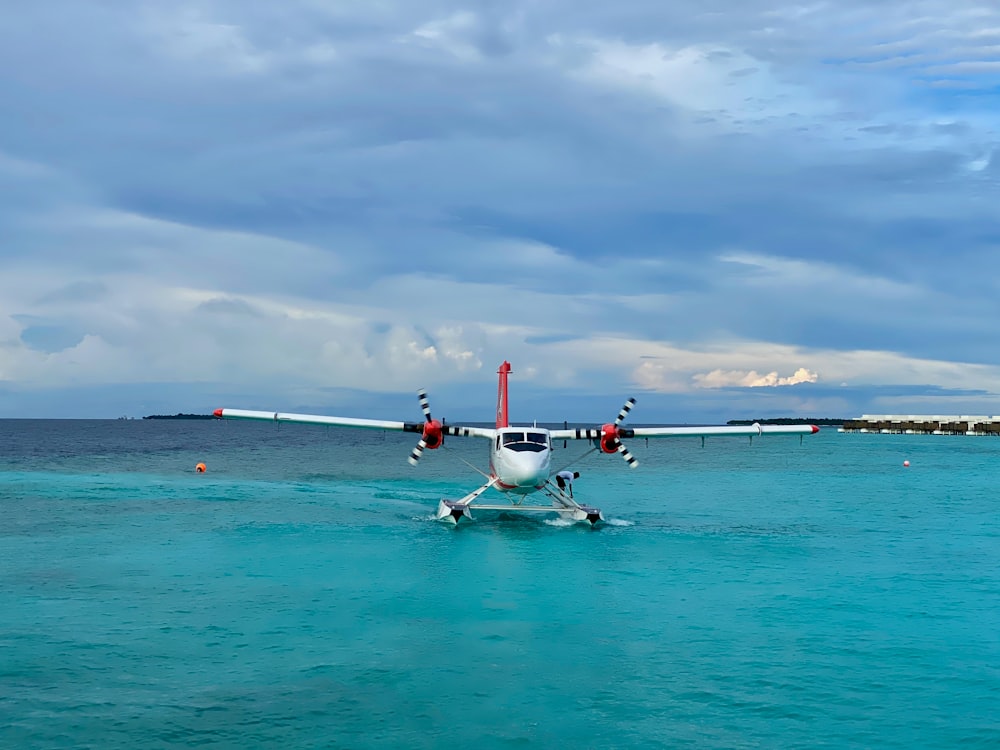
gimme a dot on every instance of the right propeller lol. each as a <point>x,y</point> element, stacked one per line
<point>611,435</point>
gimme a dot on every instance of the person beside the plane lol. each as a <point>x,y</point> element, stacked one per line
<point>565,480</point>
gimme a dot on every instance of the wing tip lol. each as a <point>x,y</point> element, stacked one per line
<point>815,429</point>
<point>217,413</point>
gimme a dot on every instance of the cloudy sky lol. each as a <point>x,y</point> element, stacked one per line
<point>726,208</point>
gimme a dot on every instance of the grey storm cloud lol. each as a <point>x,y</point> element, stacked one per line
<point>819,176</point>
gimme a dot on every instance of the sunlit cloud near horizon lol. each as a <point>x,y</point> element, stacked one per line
<point>726,209</point>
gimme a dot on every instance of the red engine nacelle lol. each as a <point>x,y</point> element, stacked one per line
<point>433,435</point>
<point>609,438</point>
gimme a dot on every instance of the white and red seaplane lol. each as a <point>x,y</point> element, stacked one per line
<point>521,457</point>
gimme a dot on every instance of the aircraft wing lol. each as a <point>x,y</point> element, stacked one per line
<point>711,431</point>
<point>750,430</point>
<point>372,424</point>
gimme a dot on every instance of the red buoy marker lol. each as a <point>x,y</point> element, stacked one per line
<point>906,463</point>
<point>200,468</point>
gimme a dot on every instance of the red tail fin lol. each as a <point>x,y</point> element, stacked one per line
<point>502,394</point>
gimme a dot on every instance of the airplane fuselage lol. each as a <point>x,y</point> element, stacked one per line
<point>521,459</point>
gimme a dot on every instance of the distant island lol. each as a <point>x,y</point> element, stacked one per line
<point>828,421</point>
<point>180,416</point>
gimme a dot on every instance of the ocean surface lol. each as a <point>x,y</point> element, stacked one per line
<point>298,594</point>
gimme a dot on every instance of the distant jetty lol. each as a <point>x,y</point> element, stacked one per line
<point>180,416</point>
<point>915,424</point>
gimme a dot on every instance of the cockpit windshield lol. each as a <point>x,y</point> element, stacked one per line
<point>525,441</point>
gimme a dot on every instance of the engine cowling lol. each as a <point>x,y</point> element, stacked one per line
<point>433,434</point>
<point>609,438</point>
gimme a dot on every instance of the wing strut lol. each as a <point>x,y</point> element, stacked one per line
<point>570,463</point>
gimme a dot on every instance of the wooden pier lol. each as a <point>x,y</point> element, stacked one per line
<point>896,424</point>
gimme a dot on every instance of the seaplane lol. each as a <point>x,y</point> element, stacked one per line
<point>520,461</point>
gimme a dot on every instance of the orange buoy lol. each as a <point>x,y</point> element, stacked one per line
<point>200,468</point>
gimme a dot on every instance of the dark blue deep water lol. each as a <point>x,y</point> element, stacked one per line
<point>773,595</point>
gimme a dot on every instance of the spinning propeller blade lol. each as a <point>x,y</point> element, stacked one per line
<point>612,439</point>
<point>417,452</point>
<point>624,411</point>
<point>432,436</point>
<point>629,458</point>
<point>424,404</point>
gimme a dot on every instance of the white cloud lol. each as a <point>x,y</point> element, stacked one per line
<point>705,79</point>
<point>189,35</point>
<point>670,368</point>
<point>805,277</point>
<point>751,379</point>
<point>449,34</point>
<point>189,335</point>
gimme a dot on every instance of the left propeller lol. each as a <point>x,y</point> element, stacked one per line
<point>432,434</point>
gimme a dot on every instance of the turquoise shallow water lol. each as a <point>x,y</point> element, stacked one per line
<point>297,595</point>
